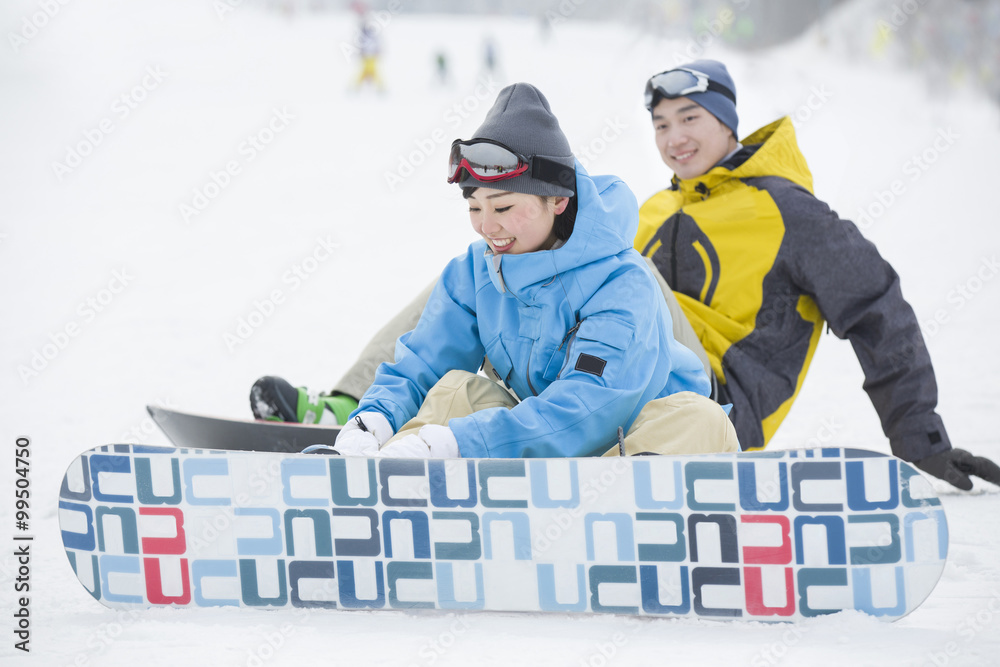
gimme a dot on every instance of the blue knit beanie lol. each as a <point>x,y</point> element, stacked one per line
<point>715,103</point>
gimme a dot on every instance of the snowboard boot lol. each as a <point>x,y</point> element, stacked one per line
<point>275,399</point>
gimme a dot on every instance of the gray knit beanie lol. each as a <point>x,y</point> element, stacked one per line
<point>521,120</point>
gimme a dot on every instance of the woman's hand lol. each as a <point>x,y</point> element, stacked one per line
<point>363,435</point>
<point>430,442</point>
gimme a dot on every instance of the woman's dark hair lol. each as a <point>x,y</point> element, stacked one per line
<point>563,227</point>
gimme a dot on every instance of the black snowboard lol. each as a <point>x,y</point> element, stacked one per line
<point>200,432</point>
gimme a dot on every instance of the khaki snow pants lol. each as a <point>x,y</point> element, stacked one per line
<point>382,346</point>
<point>683,423</point>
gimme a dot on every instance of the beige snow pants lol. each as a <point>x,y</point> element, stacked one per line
<point>683,423</point>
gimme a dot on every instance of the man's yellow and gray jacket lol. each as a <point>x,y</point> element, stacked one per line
<point>758,265</point>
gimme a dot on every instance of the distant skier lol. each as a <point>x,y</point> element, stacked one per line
<point>569,314</point>
<point>369,49</point>
<point>441,68</point>
<point>545,25</point>
<point>490,65</point>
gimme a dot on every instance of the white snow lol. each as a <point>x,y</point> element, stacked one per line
<point>113,300</point>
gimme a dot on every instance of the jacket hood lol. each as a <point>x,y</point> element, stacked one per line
<point>770,151</point>
<point>607,220</point>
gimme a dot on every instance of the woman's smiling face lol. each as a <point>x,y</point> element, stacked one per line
<point>514,223</point>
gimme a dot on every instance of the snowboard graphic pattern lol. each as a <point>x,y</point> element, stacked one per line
<point>755,536</point>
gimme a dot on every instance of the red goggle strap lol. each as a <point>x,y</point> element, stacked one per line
<point>464,164</point>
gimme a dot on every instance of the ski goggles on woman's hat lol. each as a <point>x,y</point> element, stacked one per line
<point>488,161</point>
<point>485,160</point>
<point>682,82</point>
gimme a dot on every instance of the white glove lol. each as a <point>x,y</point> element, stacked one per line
<point>363,435</point>
<point>430,442</point>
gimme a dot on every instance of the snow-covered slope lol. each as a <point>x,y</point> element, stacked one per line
<point>193,197</point>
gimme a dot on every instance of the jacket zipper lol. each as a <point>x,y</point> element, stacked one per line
<point>527,373</point>
<point>568,342</point>
<point>673,254</point>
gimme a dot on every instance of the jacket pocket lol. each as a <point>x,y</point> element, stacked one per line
<point>600,348</point>
<point>500,360</point>
<point>607,331</point>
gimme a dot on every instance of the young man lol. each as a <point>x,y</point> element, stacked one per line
<point>757,265</point>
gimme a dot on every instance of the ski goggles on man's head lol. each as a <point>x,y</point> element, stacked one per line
<point>485,160</point>
<point>488,161</point>
<point>682,82</point>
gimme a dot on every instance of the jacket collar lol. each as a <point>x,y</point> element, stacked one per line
<point>607,220</point>
<point>770,151</point>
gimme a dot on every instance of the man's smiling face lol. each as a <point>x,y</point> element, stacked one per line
<point>690,139</point>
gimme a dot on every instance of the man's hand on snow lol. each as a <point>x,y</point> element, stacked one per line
<point>430,442</point>
<point>955,465</point>
<point>363,435</point>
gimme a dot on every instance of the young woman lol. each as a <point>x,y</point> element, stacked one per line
<point>566,311</point>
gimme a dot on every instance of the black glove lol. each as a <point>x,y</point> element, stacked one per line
<point>955,465</point>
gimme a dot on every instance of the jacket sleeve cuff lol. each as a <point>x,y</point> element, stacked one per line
<point>918,443</point>
<point>471,444</point>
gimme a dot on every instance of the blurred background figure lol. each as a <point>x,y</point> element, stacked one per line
<point>287,7</point>
<point>951,44</point>
<point>441,68</point>
<point>491,63</point>
<point>369,50</point>
<point>544,27</point>
<point>489,55</point>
